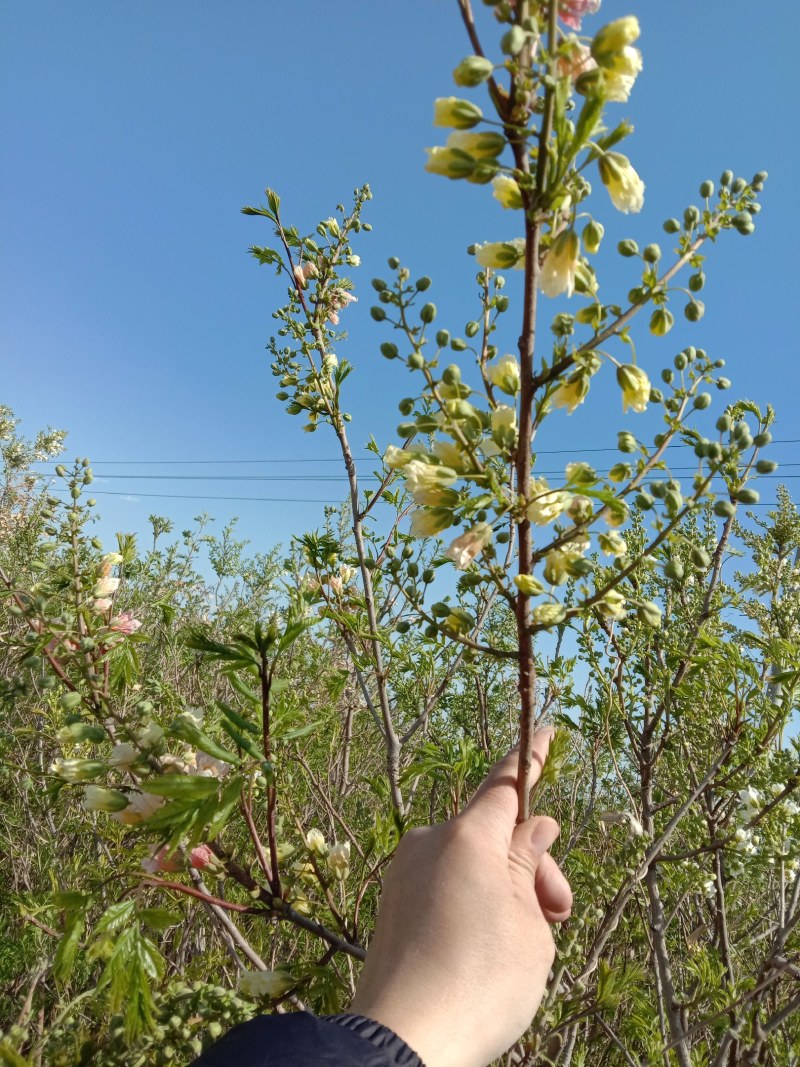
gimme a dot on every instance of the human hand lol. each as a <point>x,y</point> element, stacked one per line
<point>462,948</point>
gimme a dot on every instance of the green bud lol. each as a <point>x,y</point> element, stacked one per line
<point>393,262</point>
<point>440,610</point>
<point>702,401</point>
<point>431,630</point>
<point>723,383</point>
<point>766,466</point>
<point>70,701</point>
<point>512,43</point>
<point>672,226</point>
<point>389,350</point>
<point>694,310</point>
<point>471,329</point>
<point>416,361</point>
<point>377,313</point>
<point>748,496</point>
<point>680,361</point>
<point>651,254</point>
<point>707,189</point>
<point>697,281</point>
<point>592,236</point>
<point>628,248</point>
<point>428,575</point>
<point>406,429</point>
<point>674,570</point>
<point>451,375</point>
<point>725,509</point>
<point>428,313</point>
<point>762,439</point>
<point>661,322</point>
<point>644,501</point>
<point>626,442</point>
<point>726,178</point>
<point>412,570</point>
<point>738,186</point>
<point>378,284</point>
<point>406,405</point>
<point>701,558</point>
<point>421,284</point>
<point>472,71</point>
<point>402,627</point>
<point>458,344</point>
<point>442,338</point>
<point>649,613</point>
<point>691,216</point>
<point>724,423</point>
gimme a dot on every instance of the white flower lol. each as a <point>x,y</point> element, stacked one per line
<point>624,185</point>
<point>123,756</point>
<point>549,614</point>
<point>470,544</point>
<point>150,735</point>
<point>559,266</point>
<point>106,587</point>
<point>140,806</point>
<point>612,606</point>
<point>619,74</point>
<point>425,481</point>
<point>395,458</point>
<point>545,504</point>
<point>339,860</point>
<point>315,842</point>
<point>426,523</point>
<point>505,374</point>
<point>264,983</point>
<point>208,767</point>
<point>504,426</point>
<point>635,387</point>
<point>506,190</point>
<point>612,544</point>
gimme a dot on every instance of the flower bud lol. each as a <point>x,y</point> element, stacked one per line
<point>748,496</point>
<point>513,42</point>
<point>592,236</point>
<point>649,613</point>
<point>702,401</point>
<point>766,466</point>
<point>428,313</point>
<point>528,585</point>
<point>652,254</point>
<point>484,145</point>
<point>661,322</point>
<point>672,226</point>
<point>389,350</point>
<point>506,191</point>
<point>694,310</point>
<point>726,178</point>
<point>472,71</point>
<point>635,387</point>
<point>674,570</point>
<point>707,189</point>
<point>449,162</point>
<point>456,113</point>
<point>725,509</point>
<point>762,439</point>
<point>549,614</point>
<point>628,248</point>
<point>626,442</point>
<point>701,558</point>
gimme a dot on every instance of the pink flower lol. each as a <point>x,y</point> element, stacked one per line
<point>572,11</point>
<point>576,62</point>
<point>161,861</point>
<point>124,623</point>
<point>201,857</point>
<point>101,604</point>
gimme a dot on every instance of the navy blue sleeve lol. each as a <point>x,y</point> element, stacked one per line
<point>298,1039</point>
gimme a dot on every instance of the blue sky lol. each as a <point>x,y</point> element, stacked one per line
<point>131,315</point>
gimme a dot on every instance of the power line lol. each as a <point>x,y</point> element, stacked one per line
<point>329,459</point>
<point>192,496</point>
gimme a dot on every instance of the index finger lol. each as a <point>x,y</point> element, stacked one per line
<point>496,798</point>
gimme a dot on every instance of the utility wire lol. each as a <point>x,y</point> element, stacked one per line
<point>329,459</point>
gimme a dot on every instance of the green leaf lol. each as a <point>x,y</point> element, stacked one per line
<point>180,786</point>
<point>67,950</point>
<point>160,918</point>
<point>291,634</point>
<point>242,688</point>
<point>185,727</point>
<point>241,740</point>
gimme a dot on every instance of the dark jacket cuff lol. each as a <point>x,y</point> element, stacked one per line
<point>397,1051</point>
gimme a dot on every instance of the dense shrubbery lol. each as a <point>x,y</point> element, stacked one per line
<point>208,758</point>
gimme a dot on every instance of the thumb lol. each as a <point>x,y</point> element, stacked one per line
<point>531,839</point>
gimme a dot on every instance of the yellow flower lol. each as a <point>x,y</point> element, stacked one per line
<point>560,264</point>
<point>624,185</point>
<point>620,73</point>
<point>545,504</point>
<point>502,254</point>
<point>484,145</point>
<point>395,458</point>
<point>614,37</point>
<point>427,482</point>
<point>505,374</point>
<point>459,114</point>
<point>470,544</point>
<point>570,393</point>
<point>449,454</point>
<point>635,387</point>
<point>506,190</point>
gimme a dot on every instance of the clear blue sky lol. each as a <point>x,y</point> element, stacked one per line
<point>131,315</point>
